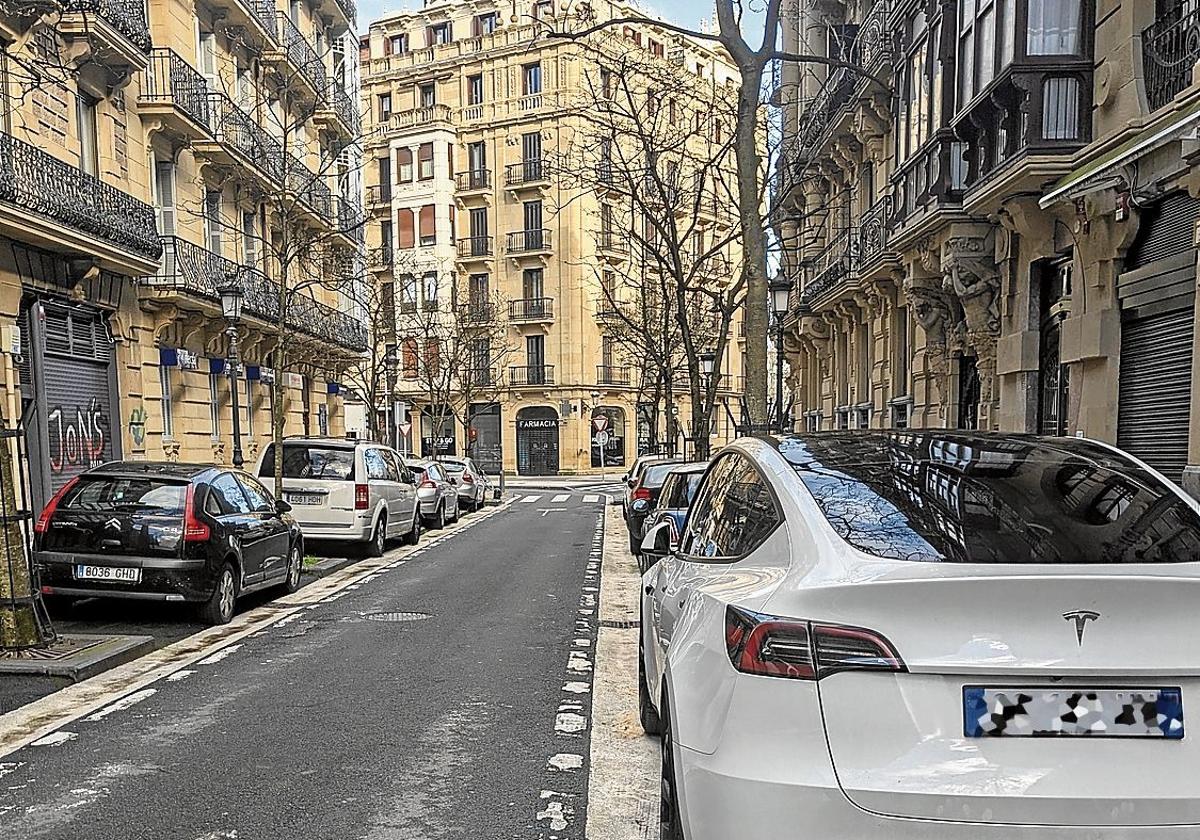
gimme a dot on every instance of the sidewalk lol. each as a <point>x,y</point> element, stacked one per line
<point>623,789</point>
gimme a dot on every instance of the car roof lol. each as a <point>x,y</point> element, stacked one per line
<point>164,469</point>
<point>694,467</point>
<point>340,443</point>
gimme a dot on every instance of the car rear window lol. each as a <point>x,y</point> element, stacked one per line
<point>320,463</point>
<point>683,490</point>
<point>454,467</point>
<point>656,474</point>
<point>950,498</point>
<point>133,495</point>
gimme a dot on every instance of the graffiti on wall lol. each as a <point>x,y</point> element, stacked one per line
<point>78,436</point>
<point>137,425</point>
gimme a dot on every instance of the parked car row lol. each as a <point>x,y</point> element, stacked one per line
<point>910,635</point>
<point>208,535</point>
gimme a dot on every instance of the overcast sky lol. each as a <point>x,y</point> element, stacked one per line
<point>686,12</point>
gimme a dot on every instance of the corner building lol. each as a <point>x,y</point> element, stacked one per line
<point>1012,245</point>
<point>468,108</point>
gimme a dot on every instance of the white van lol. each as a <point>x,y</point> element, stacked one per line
<point>345,490</point>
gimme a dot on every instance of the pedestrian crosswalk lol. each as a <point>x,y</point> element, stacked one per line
<point>563,498</point>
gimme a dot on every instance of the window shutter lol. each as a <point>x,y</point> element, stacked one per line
<point>407,234</point>
<point>404,162</point>
<point>428,222</point>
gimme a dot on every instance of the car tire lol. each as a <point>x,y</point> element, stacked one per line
<point>441,516</point>
<point>647,714</point>
<point>670,822</point>
<point>635,545</point>
<point>378,542</point>
<point>457,511</point>
<point>414,533</point>
<point>295,567</point>
<point>220,606</point>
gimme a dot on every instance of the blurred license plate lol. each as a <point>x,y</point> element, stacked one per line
<point>305,498</point>
<point>120,574</point>
<point>1096,713</point>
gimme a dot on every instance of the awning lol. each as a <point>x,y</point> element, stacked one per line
<point>1096,174</point>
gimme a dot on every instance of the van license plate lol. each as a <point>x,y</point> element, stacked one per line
<point>1055,712</point>
<point>119,574</point>
<point>305,498</point>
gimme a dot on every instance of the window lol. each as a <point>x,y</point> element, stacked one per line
<point>408,294</point>
<point>207,56</point>
<point>409,358</point>
<point>433,354</point>
<point>227,495</point>
<point>477,164</point>
<point>385,107</point>
<point>249,239</point>
<point>475,89</point>
<point>478,291</point>
<point>900,370</point>
<point>404,166</point>
<point>425,162</point>
<point>439,33</point>
<point>732,515</point>
<point>531,78</point>
<point>531,156</point>
<point>385,241</point>
<point>606,83</point>
<point>212,220</point>
<point>543,9</point>
<point>376,464</point>
<point>428,224</point>
<point>259,497</point>
<point>535,358</point>
<point>164,196</point>
<point>89,156</point>
<point>427,95</point>
<point>1060,109</point>
<point>214,405</point>
<point>168,400</point>
<point>397,45</point>
<point>407,237</point>
<point>485,24</point>
<point>429,282</point>
<point>1053,27</point>
<point>656,49</point>
<point>384,166</point>
<point>533,284</point>
<point>478,221</point>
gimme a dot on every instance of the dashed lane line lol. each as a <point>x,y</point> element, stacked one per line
<point>529,499</point>
<point>560,498</point>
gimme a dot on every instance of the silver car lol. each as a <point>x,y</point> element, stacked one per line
<point>472,483</point>
<point>437,492</point>
<point>346,491</point>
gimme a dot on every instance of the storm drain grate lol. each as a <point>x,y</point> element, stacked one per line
<point>395,616</point>
<point>626,624</point>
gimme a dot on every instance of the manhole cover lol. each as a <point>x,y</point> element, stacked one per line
<point>619,625</point>
<point>395,616</point>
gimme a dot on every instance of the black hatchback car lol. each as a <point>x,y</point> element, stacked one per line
<point>169,532</point>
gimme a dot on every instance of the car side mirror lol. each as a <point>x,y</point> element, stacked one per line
<point>453,481</point>
<point>282,507</point>
<point>657,543</point>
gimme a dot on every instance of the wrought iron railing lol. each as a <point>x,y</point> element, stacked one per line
<point>310,187</point>
<point>379,194</point>
<point>874,229</point>
<point>610,240</point>
<point>477,312</point>
<point>126,16</point>
<point>170,78</point>
<point>351,220</point>
<point>343,105</point>
<point>531,375</point>
<point>527,241</point>
<point>238,131</point>
<point>39,183</point>
<point>610,375</point>
<point>474,179</point>
<point>194,270</point>
<point>834,94</point>
<point>349,10</point>
<point>264,12</point>
<point>302,55</point>
<point>527,172</point>
<point>832,265</point>
<point>531,309</point>
<point>480,377</point>
<point>1170,48</point>
<point>383,257</point>
<point>476,246</point>
<point>874,40</point>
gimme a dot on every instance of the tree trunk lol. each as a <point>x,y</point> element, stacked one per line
<point>749,167</point>
<point>19,626</point>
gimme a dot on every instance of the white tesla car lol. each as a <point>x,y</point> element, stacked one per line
<point>925,636</point>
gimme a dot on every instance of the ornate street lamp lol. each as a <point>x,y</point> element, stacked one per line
<point>781,291</point>
<point>231,307</point>
<point>391,362</point>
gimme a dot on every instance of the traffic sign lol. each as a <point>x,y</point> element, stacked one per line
<point>600,422</point>
<point>602,439</point>
<point>404,428</point>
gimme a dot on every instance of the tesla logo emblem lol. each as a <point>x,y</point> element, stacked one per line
<point>1081,619</point>
<point>113,523</point>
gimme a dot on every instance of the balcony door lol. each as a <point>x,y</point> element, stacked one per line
<point>533,226</point>
<point>535,359</point>
<point>477,163</point>
<point>533,286</point>
<point>531,155</point>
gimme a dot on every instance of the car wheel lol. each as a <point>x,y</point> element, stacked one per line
<point>295,565</point>
<point>670,824</point>
<point>218,609</point>
<point>414,533</point>
<point>457,510</point>
<point>441,516</point>
<point>635,545</point>
<point>651,724</point>
<point>378,543</point>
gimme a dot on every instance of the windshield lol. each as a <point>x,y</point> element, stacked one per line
<point>967,499</point>
<point>682,490</point>
<point>139,495</point>
<point>301,460</point>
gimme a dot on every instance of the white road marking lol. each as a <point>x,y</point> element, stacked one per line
<point>529,499</point>
<point>123,704</point>
<point>180,675</point>
<point>560,498</point>
<point>553,812</point>
<point>54,739</point>
<point>576,687</point>
<point>553,510</point>
<point>592,498</point>
<point>566,762</point>
<point>219,655</point>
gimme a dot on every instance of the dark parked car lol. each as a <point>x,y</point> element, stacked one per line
<point>674,500</point>
<point>167,532</point>
<point>643,497</point>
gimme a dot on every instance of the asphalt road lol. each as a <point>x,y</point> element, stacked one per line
<point>352,719</point>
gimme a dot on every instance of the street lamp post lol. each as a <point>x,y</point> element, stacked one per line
<point>781,291</point>
<point>708,361</point>
<point>231,308</point>
<point>391,363</point>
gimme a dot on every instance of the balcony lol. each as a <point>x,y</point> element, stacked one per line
<point>379,198</point>
<point>481,378</point>
<point>301,56</point>
<point>609,375</point>
<point>477,313</point>
<point>612,243</point>
<point>50,203</point>
<point>476,248</point>
<point>195,273</point>
<point>527,174</point>
<point>239,140</point>
<point>1170,49</point>
<point>531,310</point>
<point>833,265</point>
<point>530,376</point>
<point>312,189</point>
<point>400,122</point>
<point>609,178</point>
<point>873,232</point>
<point>118,29</point>
<point>174,92</point>
<point>473,180</point>
<point>338,112</point>
<point>381,259</point>
<point>523,242</point>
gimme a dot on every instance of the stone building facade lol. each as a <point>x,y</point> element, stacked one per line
<point>472,111</point>
<point>145,148</point>
<point>997,229</point>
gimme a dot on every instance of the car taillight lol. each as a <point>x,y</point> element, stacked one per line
<point>642,494</point>
<point>770,646</point>
<point>362,497</point>
<point>468,478</point>
<point>193,529</point>
<point>426,484</point>
<point>43,521</point>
